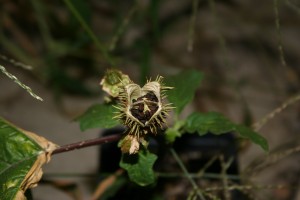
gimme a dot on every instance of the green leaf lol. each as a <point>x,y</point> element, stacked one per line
<point>21,156</point>
<point>217,124</point>
<point>253,136</point>
<point>185,85</point>
<point>98,116</point>
<point>212,122</point>
<point>139,167</point>
<point>171,134</point>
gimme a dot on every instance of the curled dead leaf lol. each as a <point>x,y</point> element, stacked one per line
<point>35,173</point>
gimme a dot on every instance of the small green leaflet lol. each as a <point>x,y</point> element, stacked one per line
<point>173,132</point>
<point>22,155</point>
<point>139,167</point>
<point>98,116</point>
<point>217,124</point>
<point>185,85</point>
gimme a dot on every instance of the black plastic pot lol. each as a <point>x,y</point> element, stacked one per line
<point>196,151</point>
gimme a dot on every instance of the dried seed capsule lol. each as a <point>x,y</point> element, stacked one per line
<point>142,109</point>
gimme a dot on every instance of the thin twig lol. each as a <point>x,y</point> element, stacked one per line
<point>191,195</point>
<point>277,23</point>
<point>183,168</point>
<point>212,196</point>
<point>89,31</point>
<point>16,80</point>
<point>247,187</point>
<point>224,168</point>
<point>278,110</point>
<point>191,36</point>
<point>193,175</point>
<point>86,143</point>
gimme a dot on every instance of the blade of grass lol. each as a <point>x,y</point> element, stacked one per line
<point>293,6</point>
<point>42,24</point>
<point>278,29</point>
<point>16,80</point>
<point>85,26</point>
<point>15,63</point>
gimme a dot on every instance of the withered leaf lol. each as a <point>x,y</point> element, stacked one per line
<point>22,155</point>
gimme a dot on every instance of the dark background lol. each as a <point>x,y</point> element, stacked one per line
<point>247,50</point>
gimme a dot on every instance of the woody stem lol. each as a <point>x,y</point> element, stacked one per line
<point>86,143</point>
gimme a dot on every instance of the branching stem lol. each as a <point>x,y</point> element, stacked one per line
<point>258,125</point>
<point>188,176</point>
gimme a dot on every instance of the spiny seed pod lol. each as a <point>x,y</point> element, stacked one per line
<point>142,110</point>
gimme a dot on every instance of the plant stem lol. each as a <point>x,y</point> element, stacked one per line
<point>188,176</point>
<point>224,168</point>
<point>87,143</point>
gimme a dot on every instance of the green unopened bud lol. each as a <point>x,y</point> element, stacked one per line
<point>113,81</point>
